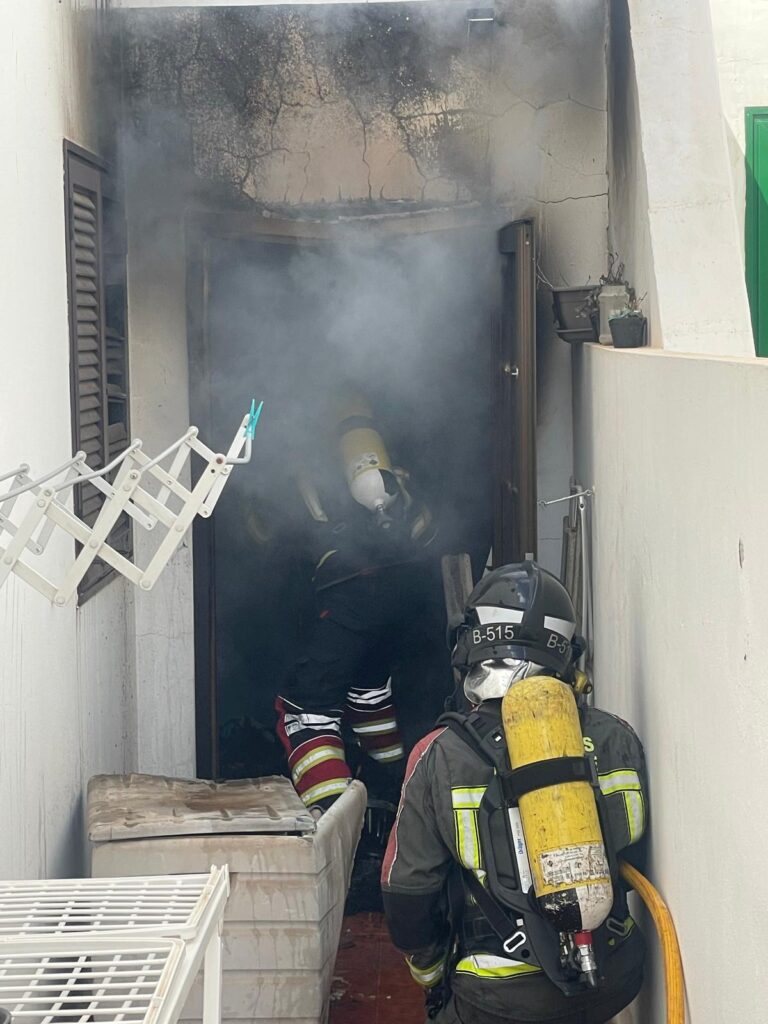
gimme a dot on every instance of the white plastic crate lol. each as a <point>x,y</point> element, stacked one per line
<point>289,878</point>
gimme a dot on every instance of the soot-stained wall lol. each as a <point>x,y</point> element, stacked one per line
<point>341,110</point>
<point>390,103</point>
<point>289,106</point>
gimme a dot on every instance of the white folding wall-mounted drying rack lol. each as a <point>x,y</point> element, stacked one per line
<point>111,950</point>
<point>172,507</point>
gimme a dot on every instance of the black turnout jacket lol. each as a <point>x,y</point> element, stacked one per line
<point>436,839</point>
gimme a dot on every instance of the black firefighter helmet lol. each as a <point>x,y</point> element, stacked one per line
<point>520,612</point>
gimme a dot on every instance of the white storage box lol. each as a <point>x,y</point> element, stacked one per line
<point>289,878</point>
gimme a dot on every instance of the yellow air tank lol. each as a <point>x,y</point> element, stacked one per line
<point>365,458</point>
<point>571,877</point>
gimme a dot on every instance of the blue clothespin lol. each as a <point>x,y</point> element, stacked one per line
<point>253,419</point>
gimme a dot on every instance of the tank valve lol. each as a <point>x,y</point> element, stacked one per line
<point>383,521</point>
<point>583,941</point>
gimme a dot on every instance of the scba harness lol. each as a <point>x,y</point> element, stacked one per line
<point>504,897</point>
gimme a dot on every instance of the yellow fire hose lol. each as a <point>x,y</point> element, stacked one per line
<point>670,948</point>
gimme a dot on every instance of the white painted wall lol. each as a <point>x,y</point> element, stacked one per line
<point>741,43</point>
<point>164,636</point>
<point>629,231</point>
<point>66,682</point>
<point>681,587</point>
<point>699,284</point>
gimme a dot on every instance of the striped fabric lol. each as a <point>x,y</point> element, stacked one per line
<point>626,781</point>
<point>315,751</point>
<point>371,714</point>
<point>466,802</point>
<point>429,976</point>
<point>483,965</point>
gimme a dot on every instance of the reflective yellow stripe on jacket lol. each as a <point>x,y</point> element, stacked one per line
<point>627,782</point>
<point>465,801</point>
<point>483,965</point>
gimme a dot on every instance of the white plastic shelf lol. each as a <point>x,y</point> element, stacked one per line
<point>111,950</point>
<point>106,984</point>
<point>164,904</point>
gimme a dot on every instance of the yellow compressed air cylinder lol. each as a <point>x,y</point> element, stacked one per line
<point>571,877</point>
<point>363,453</point>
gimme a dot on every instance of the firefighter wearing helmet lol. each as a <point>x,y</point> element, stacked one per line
<point>373,566</point>
<point>501,879</point>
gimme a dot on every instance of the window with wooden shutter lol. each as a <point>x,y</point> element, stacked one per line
<point>96,250</point>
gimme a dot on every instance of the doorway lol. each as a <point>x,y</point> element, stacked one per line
<point>286,313</point>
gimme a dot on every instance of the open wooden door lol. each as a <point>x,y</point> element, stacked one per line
<point>514,373</point>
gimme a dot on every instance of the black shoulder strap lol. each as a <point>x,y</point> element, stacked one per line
<point>519,781</point>
<point>533,940</point>
<point>512,937</point>
<point>474,730</point>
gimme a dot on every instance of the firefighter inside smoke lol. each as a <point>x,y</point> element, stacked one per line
<point>501,880</point>
<point>375,569</point>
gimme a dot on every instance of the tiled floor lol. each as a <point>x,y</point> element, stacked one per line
<point>371,983</point>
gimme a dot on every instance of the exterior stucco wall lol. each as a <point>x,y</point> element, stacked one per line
<point>629,231</point>
<point>66,676</point>
<point>164,657</point>
<point>680,587</point>
<point>740,32</point>
<point>699,285</point>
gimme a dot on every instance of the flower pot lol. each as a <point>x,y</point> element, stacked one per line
<point>573,322</point>
<point>611,300</point>
<point>628,331</point>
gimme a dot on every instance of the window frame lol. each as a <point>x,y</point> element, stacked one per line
<point>87,170</point>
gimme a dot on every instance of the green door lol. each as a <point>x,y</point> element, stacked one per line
<point>757,224</point>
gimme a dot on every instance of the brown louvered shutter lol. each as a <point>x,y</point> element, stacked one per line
<point>97,299</point>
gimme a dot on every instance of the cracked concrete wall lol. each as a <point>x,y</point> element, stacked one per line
<point>284,106</point>
<point>328,111</point>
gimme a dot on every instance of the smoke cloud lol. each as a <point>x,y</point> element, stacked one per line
<point>347,115</point>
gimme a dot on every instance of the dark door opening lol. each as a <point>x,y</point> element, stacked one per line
<point>412,319</point>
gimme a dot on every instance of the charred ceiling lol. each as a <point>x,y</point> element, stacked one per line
<point>283,106</point>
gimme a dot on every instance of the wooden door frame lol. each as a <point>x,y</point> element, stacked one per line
<point>203,231</point>
<point>515,514</point>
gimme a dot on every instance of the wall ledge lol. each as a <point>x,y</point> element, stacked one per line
<point>665,353</point>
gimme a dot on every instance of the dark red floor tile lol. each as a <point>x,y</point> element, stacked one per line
<point>372,984</point>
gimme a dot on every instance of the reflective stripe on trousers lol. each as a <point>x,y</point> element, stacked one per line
<point>371,714</point>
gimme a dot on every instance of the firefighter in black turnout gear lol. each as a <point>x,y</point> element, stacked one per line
<point>372,566</point>
<point>456,878</point>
